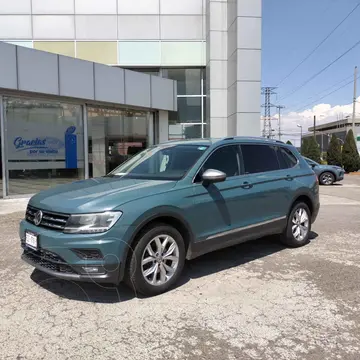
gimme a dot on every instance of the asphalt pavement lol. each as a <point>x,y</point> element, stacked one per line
<point>257,300</point>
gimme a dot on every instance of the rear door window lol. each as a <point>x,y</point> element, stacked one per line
<point>259,158</point>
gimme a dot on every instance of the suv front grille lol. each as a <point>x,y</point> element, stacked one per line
<point>50,220</point>
<point>48,260</point>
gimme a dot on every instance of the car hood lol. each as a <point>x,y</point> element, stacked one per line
<point>97,194</point>
<point>330,167</point>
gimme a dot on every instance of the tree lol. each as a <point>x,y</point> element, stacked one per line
<point>311,149</point>
<point>289,142</point>
<point>350,154</point>
<point>304,146</point>
<point>334,156</point>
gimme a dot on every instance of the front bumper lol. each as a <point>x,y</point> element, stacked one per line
<point>340,176</point>
<point>55,254</point>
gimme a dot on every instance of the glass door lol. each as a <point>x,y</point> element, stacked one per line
<point>114,136</point>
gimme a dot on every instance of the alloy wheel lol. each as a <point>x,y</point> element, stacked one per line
<point>327,179</point>
<point>160,260</point>
<point>300,224</point>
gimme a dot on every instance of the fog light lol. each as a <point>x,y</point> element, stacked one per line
<point>90,269</point>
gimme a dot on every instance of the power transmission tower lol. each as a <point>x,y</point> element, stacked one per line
<point>279,107</point>
<point>267,92</point>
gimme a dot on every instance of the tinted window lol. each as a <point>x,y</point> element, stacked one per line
<point>259,158</point>
<point>170,162</point>
<point>286,158</point>
<point>224,159</point>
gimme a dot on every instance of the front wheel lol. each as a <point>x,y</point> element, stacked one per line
<point>298,227</point>
<point>327,178</point>
<point>157,260</point>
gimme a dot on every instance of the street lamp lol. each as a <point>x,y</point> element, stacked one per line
<point>300,126</point>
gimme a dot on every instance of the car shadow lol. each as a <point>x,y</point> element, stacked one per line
<point>203,266</point>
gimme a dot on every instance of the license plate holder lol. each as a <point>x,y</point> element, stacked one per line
<point>31,239</point>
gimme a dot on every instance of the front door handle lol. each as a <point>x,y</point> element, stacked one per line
<point>289,178</point>
<point>246,185</point>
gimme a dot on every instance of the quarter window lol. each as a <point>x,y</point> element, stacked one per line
<point>259,158</point>
<point>286,158</point>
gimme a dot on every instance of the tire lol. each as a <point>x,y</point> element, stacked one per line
<point>289,237</point>
<point>135,277</point>
<point>327,178</point>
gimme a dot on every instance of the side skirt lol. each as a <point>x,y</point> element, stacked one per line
<point>236,236</point>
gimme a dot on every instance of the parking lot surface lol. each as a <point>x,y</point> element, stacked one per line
<point>257,300</point>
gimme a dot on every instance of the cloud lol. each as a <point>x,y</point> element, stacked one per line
<point>324,113</point>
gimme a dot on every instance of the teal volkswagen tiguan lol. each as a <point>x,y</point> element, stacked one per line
<point>169,203</point>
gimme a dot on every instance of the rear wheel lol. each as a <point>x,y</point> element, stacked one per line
<point>327,178</point>
<point>157,260</point>
<point>298,227</point>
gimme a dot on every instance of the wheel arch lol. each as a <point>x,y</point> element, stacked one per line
<point>327,171</point>
<point>167,217</point>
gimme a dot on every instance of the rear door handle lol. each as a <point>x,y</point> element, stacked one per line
<point>246,185</point>
<point>289,178</point>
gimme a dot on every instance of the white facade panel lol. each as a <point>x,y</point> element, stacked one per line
<point>96,27</point>
<point>181,27</point>
<point>248,33</point>
<point>249,8</point>
<point>138,7</point>
<point>131,27</point>
<point>15,27</point>
<point>248,96</point>
<point>52,7</point>
<point>182,7</point>
<point>249,65</point>
<point>95,6</point>
<point>59,27</point>
<point>15,7</point>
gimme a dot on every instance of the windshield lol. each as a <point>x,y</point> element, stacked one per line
<point>166,162</point>
<point>310,162</point>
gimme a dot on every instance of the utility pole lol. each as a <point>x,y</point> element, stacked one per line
<point>267,91</point>
<point>280,107</point>
<point>354,104</point>
<point>314,126</point>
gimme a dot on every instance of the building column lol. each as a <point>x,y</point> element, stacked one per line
<point>163,126</point>
<point>244,67</point>
<point>216,67</point>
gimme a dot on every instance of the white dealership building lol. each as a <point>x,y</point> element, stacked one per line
<point>57,88</point>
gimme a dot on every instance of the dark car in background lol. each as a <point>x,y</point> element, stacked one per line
<point>327,174</point>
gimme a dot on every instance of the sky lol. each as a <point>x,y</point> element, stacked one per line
<point>291,30</point>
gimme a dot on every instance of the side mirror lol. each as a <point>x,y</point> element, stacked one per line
<point>213,176</point>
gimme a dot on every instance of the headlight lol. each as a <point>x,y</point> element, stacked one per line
<point>92,223</point>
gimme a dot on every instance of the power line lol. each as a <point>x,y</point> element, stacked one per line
<point>332,92</point>
<point>317,47</point>
<point>321,92</point>
<point>321,71</point>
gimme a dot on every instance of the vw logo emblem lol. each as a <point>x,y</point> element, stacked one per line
<point>38,217</point>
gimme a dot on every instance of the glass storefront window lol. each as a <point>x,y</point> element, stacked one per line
<point>185,131</point>
<point>189,111</point>
<point>188,80</point>
<point>114,136</point>
<point>45,144</point>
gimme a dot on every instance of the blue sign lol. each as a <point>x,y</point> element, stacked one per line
<point>50,146</point>
<point>70,148</point>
